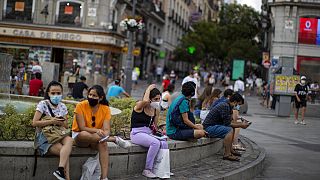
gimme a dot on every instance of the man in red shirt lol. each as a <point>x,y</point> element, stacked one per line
<point>35,85</point>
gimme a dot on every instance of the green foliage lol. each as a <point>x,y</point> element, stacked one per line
<point>18,126</point>
<point>121,122</point>
<point>15,126</point>
<point>70,108</point>
<point>235,36</point>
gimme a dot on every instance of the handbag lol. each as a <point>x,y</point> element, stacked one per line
<point>72,79</point>
<point>161,167</point>
<point>53,133</point>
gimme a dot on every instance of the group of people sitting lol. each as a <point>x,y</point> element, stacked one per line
<point>222,121</point>
<point>91,124</point>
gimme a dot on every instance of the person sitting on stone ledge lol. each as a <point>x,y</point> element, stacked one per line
<point>219,124</point>
<point>144,117</point>
<point>91,126</point>
<point>180,121</point>
<point>52,105</point>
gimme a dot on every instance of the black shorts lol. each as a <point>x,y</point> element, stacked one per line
<point>302,103</point>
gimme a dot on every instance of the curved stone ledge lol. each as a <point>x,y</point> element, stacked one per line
<point>17,158</point>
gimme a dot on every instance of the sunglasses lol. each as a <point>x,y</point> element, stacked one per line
<point>93,124</point>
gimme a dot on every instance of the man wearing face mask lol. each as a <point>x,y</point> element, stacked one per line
<point>301,91</point>
<point>219,124</point>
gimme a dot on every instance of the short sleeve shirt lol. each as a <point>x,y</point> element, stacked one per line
<point>219,115</point>
<point>301,91</point>
<point>60,111</point>
<point>183,108</point>
<point>83,108</point>
<point>114,91</point>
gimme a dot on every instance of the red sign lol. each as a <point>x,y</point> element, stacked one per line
<point>308,30</point>
<point>68,9</point>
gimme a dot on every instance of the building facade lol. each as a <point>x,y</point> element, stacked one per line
<point>295,33</point>
<point>64,32</point>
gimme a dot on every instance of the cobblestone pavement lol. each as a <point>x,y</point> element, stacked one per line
<point>212,167</point>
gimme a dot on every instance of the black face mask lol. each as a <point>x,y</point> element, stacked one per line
<point>93,102</point>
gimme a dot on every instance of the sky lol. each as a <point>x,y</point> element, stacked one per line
<point>256,4</point>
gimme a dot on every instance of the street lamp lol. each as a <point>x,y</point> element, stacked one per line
<point>131,25</point>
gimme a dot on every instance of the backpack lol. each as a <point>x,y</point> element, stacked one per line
<point>176,117</point>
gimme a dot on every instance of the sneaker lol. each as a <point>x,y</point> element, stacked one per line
<point>147,173</point>
<point>303,122</point>
<point>122,143</point>
<point>59,175</point>
<point>296,122</point>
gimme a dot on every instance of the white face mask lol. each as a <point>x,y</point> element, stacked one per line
<point>155,105</point>
<point>303,81</point>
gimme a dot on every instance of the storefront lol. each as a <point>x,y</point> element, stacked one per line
<point>93,51</point>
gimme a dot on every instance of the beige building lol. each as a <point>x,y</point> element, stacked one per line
<point>62,32</point>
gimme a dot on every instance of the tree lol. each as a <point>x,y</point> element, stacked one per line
<point>233,37</point>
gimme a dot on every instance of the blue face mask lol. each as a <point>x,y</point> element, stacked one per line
<point>237,107</point>
<point>56,99</point>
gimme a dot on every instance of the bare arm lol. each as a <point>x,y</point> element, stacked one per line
<point>156,118</point>
<point>296,94</point>
<point>187,121</point>
<point>81,124</point>
<point>145,101</point>
<point>126,94</point>
<point>36,122</point>
<point>106,128</point>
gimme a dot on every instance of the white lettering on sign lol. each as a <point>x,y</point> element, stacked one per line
<point>52,35</point>
<point>23,33</point>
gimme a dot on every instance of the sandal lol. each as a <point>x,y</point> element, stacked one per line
<point>238,147</point>
<point>236,153</point>
<point>231,158</point>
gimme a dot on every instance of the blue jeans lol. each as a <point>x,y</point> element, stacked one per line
<point>218,131</point>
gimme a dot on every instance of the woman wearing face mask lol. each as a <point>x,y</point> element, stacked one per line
<point>145,113</point>
<point>62,148</point>
<point>91,126</point>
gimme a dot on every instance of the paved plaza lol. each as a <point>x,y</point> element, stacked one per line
<point>292,151</point>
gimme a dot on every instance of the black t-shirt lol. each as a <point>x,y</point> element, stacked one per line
<point>302,91</point>
<point>77,91</point>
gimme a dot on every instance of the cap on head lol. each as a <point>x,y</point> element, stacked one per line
<point>117,81</point>
<point>303,78</point>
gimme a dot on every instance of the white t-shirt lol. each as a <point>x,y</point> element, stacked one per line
<point>134,76</point>
<point>238,85</point>
<point>60,111</point>
<point>36,69</point>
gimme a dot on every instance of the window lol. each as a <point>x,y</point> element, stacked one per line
<point>70,12</point>
<point>18,10</point>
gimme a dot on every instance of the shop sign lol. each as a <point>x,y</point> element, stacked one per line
<point>68,10</point>
<point>19,6</point>
<point>288,24</point>
<point>265,59</point>
<point>308,30</point>
<point>92,12</point>
<point>59,36</point>
<point>136,52</point>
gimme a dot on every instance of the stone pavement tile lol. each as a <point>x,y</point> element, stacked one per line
<point>211,167</point>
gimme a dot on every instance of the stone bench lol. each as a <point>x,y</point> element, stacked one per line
<point>17,158</point>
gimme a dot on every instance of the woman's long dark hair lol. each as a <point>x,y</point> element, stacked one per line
<point>101,94</point>
<point>154,92</point>
<point>52,83</point>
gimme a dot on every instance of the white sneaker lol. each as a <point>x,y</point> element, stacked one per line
<point>303,122</point>
<point>122,143</point>
<point>296,122</point>
<point>147,173</point>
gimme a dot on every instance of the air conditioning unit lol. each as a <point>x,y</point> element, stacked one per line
<point>157,41</point>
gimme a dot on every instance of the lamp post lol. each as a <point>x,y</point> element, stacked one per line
<point>129,62</point>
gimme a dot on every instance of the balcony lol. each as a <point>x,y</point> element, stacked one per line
<point>171,14</point>
<point>159,12</point>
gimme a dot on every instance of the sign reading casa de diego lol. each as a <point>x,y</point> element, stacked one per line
<point>55,35</point>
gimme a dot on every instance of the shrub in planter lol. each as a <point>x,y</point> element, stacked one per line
<point>120,123</point>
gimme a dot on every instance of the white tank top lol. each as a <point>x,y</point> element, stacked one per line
<point>164,102</point>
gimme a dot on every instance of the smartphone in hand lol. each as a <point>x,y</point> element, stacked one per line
<point>61,118</point>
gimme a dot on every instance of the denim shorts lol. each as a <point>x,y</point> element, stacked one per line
<point>42,144</point>
<point>218,131</point>
<point>182,134</point>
